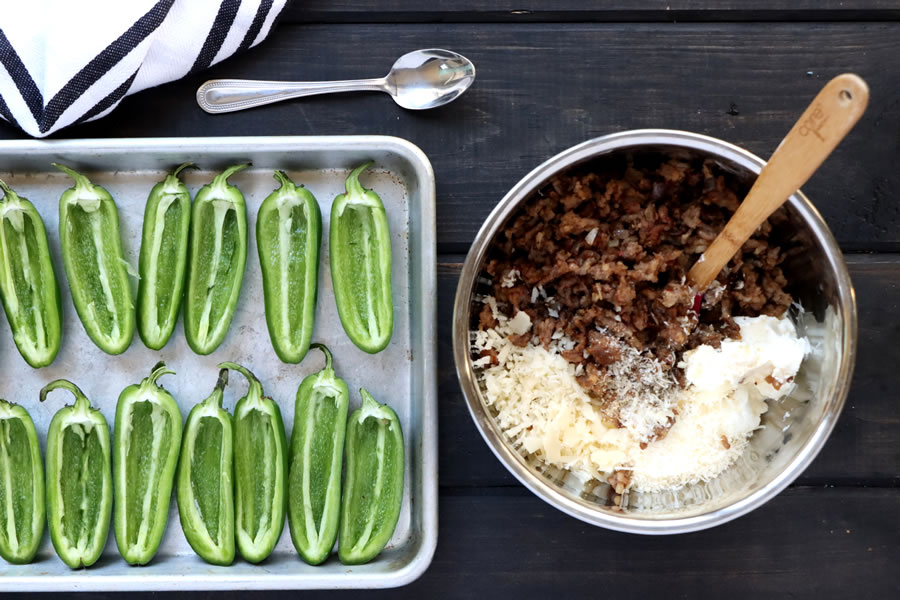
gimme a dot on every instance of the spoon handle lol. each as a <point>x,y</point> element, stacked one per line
<point>228,95</point>
<point>830,116</point>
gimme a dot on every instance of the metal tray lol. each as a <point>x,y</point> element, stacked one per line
<point>403,375</point>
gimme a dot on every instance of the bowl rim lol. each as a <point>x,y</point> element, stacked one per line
<point>517,465</point>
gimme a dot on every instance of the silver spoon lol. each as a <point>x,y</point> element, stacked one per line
<point>418,80</point>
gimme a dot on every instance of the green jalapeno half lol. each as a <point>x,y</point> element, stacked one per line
<point>28,284</point>
<point>95,263</point>
<point>164,246</point>
<point>288,233</point>
<point>360,248</point>
<point>317,449</point>
<point>21,485</point>
<point>79,479</point>
<point>205,487</point>
<point>145,455</point>
<point>260,470</point>
<point>217,258</point>
<point>373,481</point>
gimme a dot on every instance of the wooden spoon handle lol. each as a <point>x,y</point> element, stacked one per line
<point>830,116</point>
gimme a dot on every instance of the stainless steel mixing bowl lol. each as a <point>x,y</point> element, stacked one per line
<point>793,430</point>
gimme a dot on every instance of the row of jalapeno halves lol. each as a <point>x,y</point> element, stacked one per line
<point>197,251</point>
<point>235,476</point>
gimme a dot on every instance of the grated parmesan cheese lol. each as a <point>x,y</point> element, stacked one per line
<point>644,396</point>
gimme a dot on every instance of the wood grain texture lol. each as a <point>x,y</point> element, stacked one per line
<point>543,88</point>
<point>864,448</point>
<point>518,11</point>
<point>807,543</point>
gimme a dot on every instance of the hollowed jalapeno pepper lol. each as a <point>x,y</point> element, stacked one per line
<point>288,233</point>
<point>205,487</point>
<point>317,449</point>
<point>360,248</point>
<point>373,481</point>
<point>164,246</point>
<point>28,284</point>
<point>79,479</point>
<point>95,263</point>
<point>145,454</point>
<point>260,470</point>
<point>21,485</point>
<point>217,258</point>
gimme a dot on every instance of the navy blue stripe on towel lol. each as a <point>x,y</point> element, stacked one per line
<point>261,13</point>
<point>28,89</point>
<point>228,10</point>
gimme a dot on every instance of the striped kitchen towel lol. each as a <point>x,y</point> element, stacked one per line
<point>69,61</point>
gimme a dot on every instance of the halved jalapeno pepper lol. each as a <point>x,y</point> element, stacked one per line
<point>95,263</point>
<point>317,449</point>
<point>360,248</point>
<point>217,258</point>
<point>163,261</point>
<point>21,485</point>
<point>147,443</point>
<point>373,481</point>
<point>260,470</point>
<point>79,479</point>
<point>288,233</point>
<point>28,284</point>
<point>205,487</point>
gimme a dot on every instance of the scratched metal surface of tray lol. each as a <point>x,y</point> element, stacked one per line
<point>403,375</point>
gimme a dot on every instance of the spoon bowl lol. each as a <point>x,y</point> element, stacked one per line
<point>418,80</point>
<point>429,78</point>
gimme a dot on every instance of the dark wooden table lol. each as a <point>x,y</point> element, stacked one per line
<point>552,73</point>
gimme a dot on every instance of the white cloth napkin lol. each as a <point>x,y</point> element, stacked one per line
<point>68,61</point>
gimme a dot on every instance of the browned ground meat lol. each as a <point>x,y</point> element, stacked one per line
<point>610,249</point>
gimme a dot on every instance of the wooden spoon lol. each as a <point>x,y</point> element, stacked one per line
<point>830,116</point>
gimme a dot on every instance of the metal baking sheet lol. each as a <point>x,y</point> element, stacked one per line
<point>403,375</point>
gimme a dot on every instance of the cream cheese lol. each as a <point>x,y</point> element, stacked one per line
<point>723,403</point>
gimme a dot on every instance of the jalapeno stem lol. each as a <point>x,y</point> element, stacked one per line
<point>255,386</point>
<point>221,383</point>
<point>326,352</point>
<point>352,184</point>
<point>81,181</point>
<point>221,180</point>
<point>8,192</point>
<point>182,167</point>
<point>158,370</point>
<point>81,401</point>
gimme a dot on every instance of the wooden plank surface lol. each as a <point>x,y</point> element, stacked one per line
<point>518,11</point>
<point>543,88</point>
<point>808,543</point>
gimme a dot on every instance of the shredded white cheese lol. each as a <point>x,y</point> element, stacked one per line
<point>544,411</point>
<point>509,278</point>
